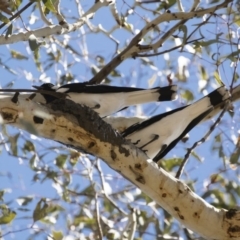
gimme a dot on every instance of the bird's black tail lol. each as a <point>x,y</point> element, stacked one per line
<point>157,94</point>
<point>197,112</point>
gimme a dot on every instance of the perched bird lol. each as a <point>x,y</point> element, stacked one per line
<point>157,135</point>
<point>106,99</point>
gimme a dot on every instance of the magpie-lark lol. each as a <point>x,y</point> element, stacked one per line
<point>157,135</point>
<point>105,99</point>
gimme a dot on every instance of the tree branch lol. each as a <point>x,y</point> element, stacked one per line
<point>54,29</point>
<point>79,127</point>
<point>134,48</point>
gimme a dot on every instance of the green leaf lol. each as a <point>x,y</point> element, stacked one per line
<point>16,4</point>
<point>187,95</point>
<point>207,43</point>
<point>34,43</point>
<point>235,156</point>
<point>233,56</point>
<point>170,164</point>
<point>28,147</point>
<point>1,195</point>
<point>74,156</point>
<point>115,73</point>
<point>203,72</point>
<point>49,5</point>
<point>51,175</point>
<point>57,235</point>
<point>61,159</point>
<point>43,209</point>
<point>194,154</point>
<point>33,163</point>
<point>214,178</point>
<point>218,78</point>
<point>218,138</point>
<point>54,208</point>
<point>237,21</point>
<point>6,215</point>
<point>18,55</point>
<point>36,59</point>
<point>40,210</point>
<point>166,4</point>
<point>67,77</point>
<point>3,18</point>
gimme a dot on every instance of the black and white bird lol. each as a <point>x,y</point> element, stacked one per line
<point>157,135</point>
<point>105,99</point>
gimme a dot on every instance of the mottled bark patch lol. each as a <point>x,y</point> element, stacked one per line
<point>141,179</point>
<point>91,144</point>
<point>38,120</point>
<point>176,209</point>
<point>92,123</point>
<point>138,166</point>
<point>231,213</point>
<point>9,115</point>
<point>113,155</point>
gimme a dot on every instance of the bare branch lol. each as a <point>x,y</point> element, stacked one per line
<point>42,14</point>
<point>99,226</point>
<point>54,29</point>
<point>135,48</point>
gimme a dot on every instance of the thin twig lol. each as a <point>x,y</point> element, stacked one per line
<point>39,4</point>
<point>98,167</point>
<point>168,50</point>
<point>17,14</point>
<point>98,217</point>
<point>130,228</point>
